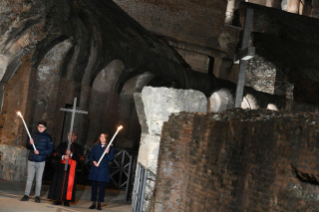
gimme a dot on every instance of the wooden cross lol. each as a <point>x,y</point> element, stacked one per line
<point>73,111</point>
<point>243,56</point>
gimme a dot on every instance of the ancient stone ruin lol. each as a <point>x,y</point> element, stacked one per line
<point>166,71</point>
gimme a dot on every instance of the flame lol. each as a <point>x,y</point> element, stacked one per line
<point>120,127</point>
<point>19,114</point>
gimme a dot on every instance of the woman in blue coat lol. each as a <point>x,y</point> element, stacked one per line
<point>100,175</point>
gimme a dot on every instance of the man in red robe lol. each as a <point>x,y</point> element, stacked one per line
<point>63,185</point>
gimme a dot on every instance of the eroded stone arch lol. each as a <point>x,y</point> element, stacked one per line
<point>48,79</point>
<point>104,101</point>
<point>130,135</point>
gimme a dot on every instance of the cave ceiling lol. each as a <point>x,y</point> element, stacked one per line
<point>100,32</point>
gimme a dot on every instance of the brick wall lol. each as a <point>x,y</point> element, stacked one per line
<point>238,161</point>
<point>16,91</point>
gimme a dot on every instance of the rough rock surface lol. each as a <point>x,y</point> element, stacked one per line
<point>13,163</point>
<point>154,107</point>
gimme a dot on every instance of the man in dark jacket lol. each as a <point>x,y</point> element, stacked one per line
<point>36,159</point>
<point>63,185</point>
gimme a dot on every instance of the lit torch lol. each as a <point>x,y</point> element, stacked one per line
<point>19,114</point>
<point>108,146</point>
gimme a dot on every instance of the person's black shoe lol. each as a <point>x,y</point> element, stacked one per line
<point>66,204</point>
<point>37,199</point>
<point>93,206</point>
<point>99,207</point>
<point>25,198</point>
<point>57,203</point>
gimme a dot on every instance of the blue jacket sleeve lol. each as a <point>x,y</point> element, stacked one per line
<point>110,156</point>
<point>92,155</point>
<point>28,145</point>
<point>49,147</point>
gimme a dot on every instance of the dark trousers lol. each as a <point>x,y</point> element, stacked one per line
<point>98,185</point>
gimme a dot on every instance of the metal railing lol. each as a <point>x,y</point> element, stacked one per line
<point>139,189</point>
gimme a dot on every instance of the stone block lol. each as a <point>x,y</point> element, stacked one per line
<point>140,111</point>
<point>13,163</point>
<point>220,101</point>
<point>148,151</point>
<point>160,103</point>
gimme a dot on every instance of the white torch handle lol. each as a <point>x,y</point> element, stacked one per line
<point>108,146</point>
<point>28,132</point>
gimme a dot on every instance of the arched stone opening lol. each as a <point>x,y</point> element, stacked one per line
<point>48,78</point>
<point>104,102</point>
<point>130,135</point>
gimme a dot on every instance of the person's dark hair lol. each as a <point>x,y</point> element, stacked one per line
<point>98,139</point>
<point>42,122</point>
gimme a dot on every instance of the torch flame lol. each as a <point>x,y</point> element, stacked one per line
<point>19,114</point>
<point>120,127</point>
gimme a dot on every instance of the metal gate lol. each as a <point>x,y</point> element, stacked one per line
<point>139,189</point>
<point>121,169</point>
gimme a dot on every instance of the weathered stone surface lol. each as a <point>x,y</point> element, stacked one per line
<point>47,82</point>
<point>220,101</point>
<point>198,62</point>
<point>154,107</point>
<point>185,21</point>
<point>140,112</point>
<point>160,103</point>
<point>104,103</point>
<point>240,160</point>
<point>13,163</point>
<point>149,186</point>
<point>265,76</point>
<point>148,151</point>
<point>12,130</point>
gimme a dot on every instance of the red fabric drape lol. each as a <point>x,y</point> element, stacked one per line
<point>72,164</point>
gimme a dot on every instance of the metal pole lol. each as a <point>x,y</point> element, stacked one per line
<point>71,130</point>
<point>243,63</point>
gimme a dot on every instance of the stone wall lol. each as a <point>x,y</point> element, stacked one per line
<point>198,62</point>
<point>47,83</point>
<point>238,161</point>
<point>199,22</point>
<point>154,106</point>
<point>13,163</point>
<point>265,76</point>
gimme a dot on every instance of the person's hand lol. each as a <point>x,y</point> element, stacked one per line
<point>31,141</point>
<point>68,152</point>
<point>107,150</point>
<point>36,152</point>
<point>95,164</point>
<point>65,157</point>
